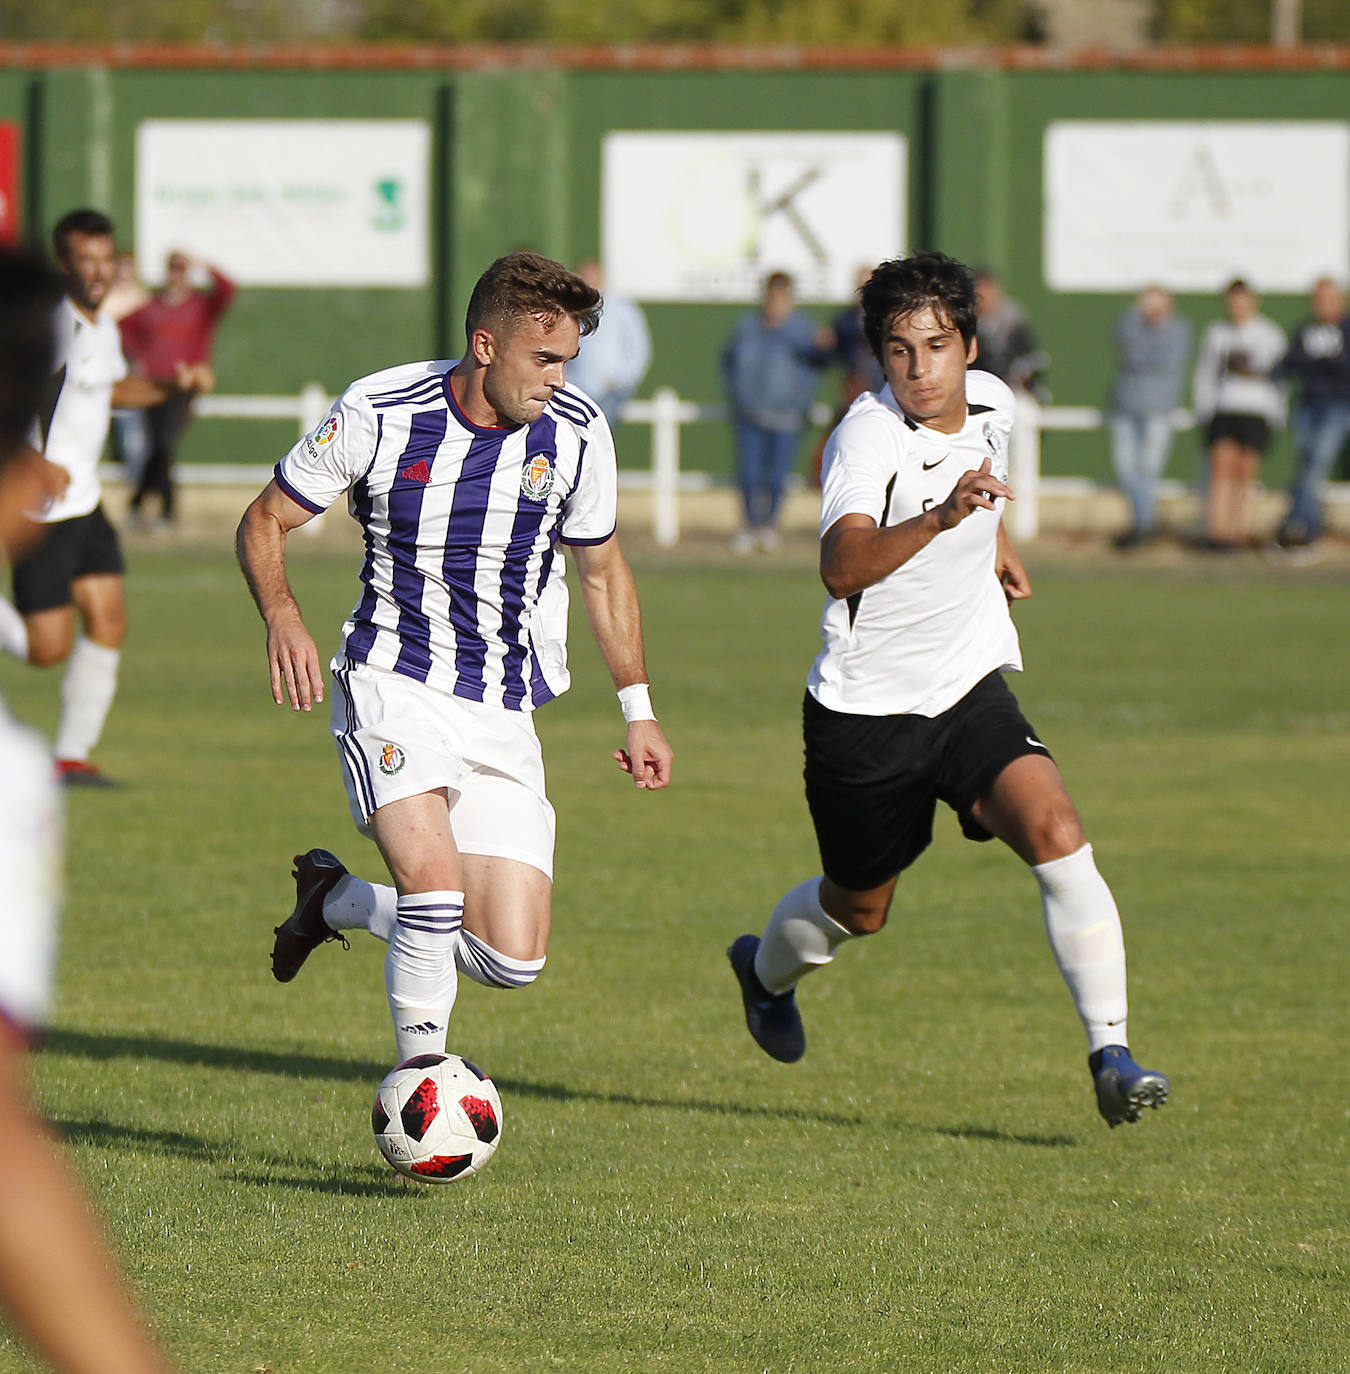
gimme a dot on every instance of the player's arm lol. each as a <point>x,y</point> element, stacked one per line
<point>1011,571</point>
<point>260,542</point>
<point>57,1279</point>
<point>855,553</point>
<point>610,597</point>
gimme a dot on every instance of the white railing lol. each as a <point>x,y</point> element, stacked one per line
<point>668,413</point>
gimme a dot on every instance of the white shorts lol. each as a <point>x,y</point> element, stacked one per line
<point>397,737</point>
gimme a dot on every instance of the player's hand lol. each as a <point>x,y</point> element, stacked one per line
<point>294,664</point>
<point>1012,574</point>
<point>977,490</point>
<point>647,755</point>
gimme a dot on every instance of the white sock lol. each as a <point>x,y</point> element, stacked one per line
<point>1084,929</point>
<point>799,937</point>
<point>419,970</point>
<point>87,693</point>
<point>477,959</point>
<point>13,631</point>
<point>355,904</point>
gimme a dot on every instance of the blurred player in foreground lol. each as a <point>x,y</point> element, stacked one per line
<point>906,703</point>
<point>57,1280</point>
<point>464,476</point>
<point>76,568</point>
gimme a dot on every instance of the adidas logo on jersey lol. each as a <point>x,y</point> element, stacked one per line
<point>417,472</point>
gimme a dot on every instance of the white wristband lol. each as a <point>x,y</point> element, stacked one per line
<point>636,702</point>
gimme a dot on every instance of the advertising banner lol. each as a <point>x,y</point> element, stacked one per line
<point>693,216</point>
<point>1192,204</point>
<point>287,202</point>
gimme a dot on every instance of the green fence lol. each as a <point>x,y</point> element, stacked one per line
<point>516,159</point>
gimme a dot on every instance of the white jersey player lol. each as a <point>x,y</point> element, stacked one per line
<point>468,478</point>
<point>906,704</point>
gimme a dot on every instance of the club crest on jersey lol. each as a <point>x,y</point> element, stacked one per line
<point>392,759</point>
<point>536,477</point>
<point>324,435</point>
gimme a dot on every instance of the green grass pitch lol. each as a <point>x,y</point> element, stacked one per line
<point>930,1189</point>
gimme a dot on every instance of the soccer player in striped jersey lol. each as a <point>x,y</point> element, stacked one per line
<point>466,477</point>
<point>906,704</point>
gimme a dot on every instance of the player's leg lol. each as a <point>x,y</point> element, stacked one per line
<point>1028,807</point>
<point>420,977</point>
<point>873,812</point>
<point>90,681</point>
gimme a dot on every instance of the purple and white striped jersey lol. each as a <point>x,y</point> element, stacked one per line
<point>462,585</point>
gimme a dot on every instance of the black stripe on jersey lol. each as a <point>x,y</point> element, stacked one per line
<point>978,410</point>
<point>428,388</point>
<point>55,383</point>
<point>913,424</point>
<point>569,410</point>
<point>856,599</point>
<point>578,400</point>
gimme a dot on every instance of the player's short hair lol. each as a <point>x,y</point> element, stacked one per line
<point>775,279</point>
<point>900,286</point>
<point>29,293</point>
<point>524,286</point>
<point>93,223</point>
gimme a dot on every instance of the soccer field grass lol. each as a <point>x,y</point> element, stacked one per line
<point>930,1189</point>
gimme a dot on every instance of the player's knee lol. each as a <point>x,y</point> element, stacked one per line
<point>494,968</point>
<point>1056,833</point>
<point>860,913</point>
<point>47,653</point>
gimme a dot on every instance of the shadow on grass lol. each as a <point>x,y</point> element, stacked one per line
<point>109,1136</point>
<point>368,1182</point>
<point>82,1045</point>
<point>1047,1142</point>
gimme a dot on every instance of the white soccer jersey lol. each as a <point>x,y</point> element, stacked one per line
<point>30,851</point>
<point>73,428</point>
<point>917,641</point>
<point>463,583</point>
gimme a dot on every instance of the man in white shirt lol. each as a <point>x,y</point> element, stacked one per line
<point>465,476</point>
<point>614,358</point>
<point>76,570</point>
<point>906,703</point>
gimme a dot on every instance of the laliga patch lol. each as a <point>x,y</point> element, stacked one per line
<point>324,435</point>
<point>536,477</point>
<point>392,759</point>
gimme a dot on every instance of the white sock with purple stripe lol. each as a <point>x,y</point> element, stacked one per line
<point>419,971</point>
<point>355,904</point>
<point>478,960</point>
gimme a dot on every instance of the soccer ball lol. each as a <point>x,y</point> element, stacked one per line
<point>437,1118</point>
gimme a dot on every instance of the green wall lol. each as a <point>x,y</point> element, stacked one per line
<point>517,163</point>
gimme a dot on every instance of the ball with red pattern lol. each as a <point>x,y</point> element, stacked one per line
<point>437,1118</point>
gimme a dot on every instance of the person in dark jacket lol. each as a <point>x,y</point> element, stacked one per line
<point>1319,361</point>
<point>770,369</point>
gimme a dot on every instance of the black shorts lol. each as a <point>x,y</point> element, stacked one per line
<point>74,548</point>
<point>873,782</point>
<point>1251,431</point>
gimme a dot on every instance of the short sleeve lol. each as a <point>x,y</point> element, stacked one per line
<point>590,512</point>
<point>30,857</point>
<point>325,463</point>
<point>859,460</point>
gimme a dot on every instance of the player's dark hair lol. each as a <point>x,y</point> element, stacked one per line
<point>29,293</point>
<point>90,222</point>
<point>775,279</point>
<point>901,286</point>
<point>524,286</point>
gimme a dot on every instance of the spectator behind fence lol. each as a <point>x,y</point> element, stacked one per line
<point>174,328</point>
<point>770,368</point>
<point>1007,342</point>
<point>1153,344</point>
<point>615,358</point>
<point>1319,361</point>
<point>1238,402</point>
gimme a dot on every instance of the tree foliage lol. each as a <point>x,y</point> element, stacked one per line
<point>835,23</point>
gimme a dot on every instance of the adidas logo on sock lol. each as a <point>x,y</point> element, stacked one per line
<point>425,1028</point>
<point>416,472</point>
